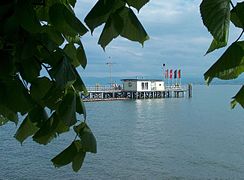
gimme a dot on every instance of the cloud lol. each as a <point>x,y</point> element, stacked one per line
<point>177,38</point>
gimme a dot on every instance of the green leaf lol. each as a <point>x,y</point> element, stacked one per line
<point>133,29</point>
<point>80,107</point>
<point>64,74</point>
<point>14,95</point>
<point>112,29</point>
<point>65,21</point>
<point>237,14</point>
<point>40,87</point>
<point>71,39</point>
<point>6,64</point>
<point>70,51</point>
<point>79,84</point>
<point>3,120</point>
<point>78,160</point>
<point>54,35</point>
<point>88,140</point>
<point>29,69</point>
<point>216,45</point>
<point>81,56</point>
<point>38,115</point>
<point>230,65</point>
<point>101,12</point>
<point>48,131</point>
<point>27,17</point>
<point>137,3</point>
<point>67,108</point>
<point>216,17</point>
<point>26,129</point>
<point>66,156</point>
<point>239,98</point>
<point>53,97</point>
<point>72,3</point>
<point>8,114</point>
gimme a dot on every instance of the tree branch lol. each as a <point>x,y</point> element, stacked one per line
<point>232,5</point>
<point>240,36</point>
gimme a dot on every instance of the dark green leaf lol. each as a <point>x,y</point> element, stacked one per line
<point>237,14</point>
<point>88,140</point>
<point>101,12</point>
<point>216,45</point>
<point>112,29</point>
<point>48,131</point>
<point>64,74</point>
<point>6,64</point>
<point>230,65</point>
<point>81,56</point>
<point>70,51</point>
<point>239,98</point>
<point>137,3</point>
<point>54,35</point>
<point>216,17</point>
<point>80,107</point>
<point>38,115</point>
<point>53,97</point>
<point>78,160</point>
<point>65,21</point>
<point>133,29</point>
<point>73,40</point>
<point>26,129</point>
<point>14,95</point>
<point>72,3</point>
<point>79,84</point>
<point>39,88</point>
<point>67,108</point>
<point>66,156</point>
<point>3,120</point>
<point>27,17</point>
<point>29,69</point>
<point>8,114</point>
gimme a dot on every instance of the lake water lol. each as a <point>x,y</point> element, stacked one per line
<point>178,138</point>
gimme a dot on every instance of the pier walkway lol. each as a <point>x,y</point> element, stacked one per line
<point>107,93</point>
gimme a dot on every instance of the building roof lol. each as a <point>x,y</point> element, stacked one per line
<point>141,79</point>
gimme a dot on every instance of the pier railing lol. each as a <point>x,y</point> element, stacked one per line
<point>104,88</point>
<point>99,88</point>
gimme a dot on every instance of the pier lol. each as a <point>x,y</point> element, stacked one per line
<point>107,93</point>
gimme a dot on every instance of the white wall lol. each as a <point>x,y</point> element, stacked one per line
<point>139,86</point>
<point>160,86</point>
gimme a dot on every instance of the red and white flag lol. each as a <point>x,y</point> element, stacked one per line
<point>179,74</point>
<point>170,73</point>
<point>166,74</point>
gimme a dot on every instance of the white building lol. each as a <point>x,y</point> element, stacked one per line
<point>140,85</point>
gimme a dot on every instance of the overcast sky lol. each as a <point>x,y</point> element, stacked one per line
<point>177,38</point>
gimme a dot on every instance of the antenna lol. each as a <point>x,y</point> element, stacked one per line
<point>109,63</point>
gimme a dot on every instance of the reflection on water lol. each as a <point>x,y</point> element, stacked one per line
<point>198,138</point>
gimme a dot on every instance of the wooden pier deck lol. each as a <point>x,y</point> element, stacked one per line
<point>105,93</point>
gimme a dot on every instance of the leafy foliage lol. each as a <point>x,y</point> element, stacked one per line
<point>46,36</point>
<point>216,16</point>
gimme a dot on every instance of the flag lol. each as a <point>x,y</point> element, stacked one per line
<point>175,74</point>
<point>179,74</point>
<point>166,74</point>
<point>170,73</point>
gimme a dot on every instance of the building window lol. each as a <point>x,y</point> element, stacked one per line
<point>142,86</point>
<point>146,86</point>
<point>159,84</point>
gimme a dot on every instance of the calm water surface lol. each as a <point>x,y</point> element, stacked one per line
<point>198,138</point>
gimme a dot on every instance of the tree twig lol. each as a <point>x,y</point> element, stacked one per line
<point>232,5</point>
<point>240,36</point>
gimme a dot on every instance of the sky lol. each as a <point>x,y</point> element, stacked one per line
<point>178,39</point>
